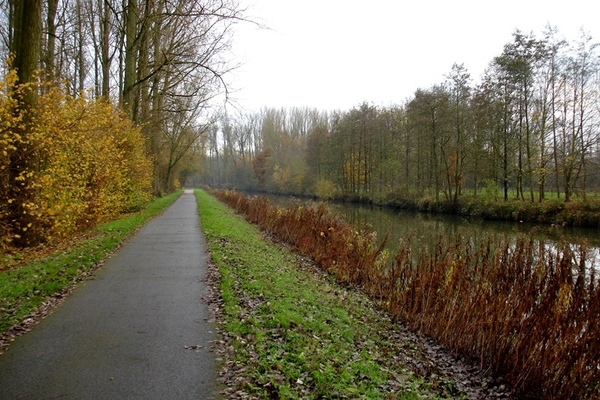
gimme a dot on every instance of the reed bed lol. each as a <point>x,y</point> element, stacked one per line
<point>520,310</point>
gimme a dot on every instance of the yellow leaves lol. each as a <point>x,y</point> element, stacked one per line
<point>381,262</point>
<point>92,165</point>
<point>565,298</point>
<point>24,176</point>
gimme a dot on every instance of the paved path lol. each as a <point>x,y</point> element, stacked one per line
<point>123,334</point>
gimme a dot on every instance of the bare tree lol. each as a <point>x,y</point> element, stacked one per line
<point>458,84</point>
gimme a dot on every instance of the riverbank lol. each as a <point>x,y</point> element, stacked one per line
<point>290,331</point>
<point>522,311</point>
<point>552,211</point>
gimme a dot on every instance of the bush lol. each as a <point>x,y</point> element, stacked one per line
<point>325,189</point>
<point>520,310</point>
<point>88,165</point>
<point>8,142</point>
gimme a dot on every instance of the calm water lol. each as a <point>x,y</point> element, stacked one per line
<point>426,228</point>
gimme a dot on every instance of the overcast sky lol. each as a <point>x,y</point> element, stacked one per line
<point>336,54</point>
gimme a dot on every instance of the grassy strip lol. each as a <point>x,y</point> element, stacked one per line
<point>293,333</point>
<point>23,289</point>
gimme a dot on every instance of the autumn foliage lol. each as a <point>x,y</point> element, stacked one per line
<point>519,310</point>
<point>86,163</point>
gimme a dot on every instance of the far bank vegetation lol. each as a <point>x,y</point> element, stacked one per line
<point>521,144</point>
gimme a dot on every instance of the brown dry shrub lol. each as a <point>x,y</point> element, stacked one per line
<point>521,310</point>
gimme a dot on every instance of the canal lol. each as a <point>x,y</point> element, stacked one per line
<point>424,229</point>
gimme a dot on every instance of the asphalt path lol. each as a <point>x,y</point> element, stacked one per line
<point>138,330</point>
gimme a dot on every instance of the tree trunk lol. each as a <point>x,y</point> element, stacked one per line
<point>51,38</point>
<point>26,43</point>
<point>80,54</point>
<point>25,47</point>
<point>105,59</point>
<point>131,20</point>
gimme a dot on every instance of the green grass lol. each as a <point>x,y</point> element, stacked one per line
<point>293,333</point>
<point>25,287</point>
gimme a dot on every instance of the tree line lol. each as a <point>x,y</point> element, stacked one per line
<point>157,64</point>
<point>160,61</point>
<point>528,130</point>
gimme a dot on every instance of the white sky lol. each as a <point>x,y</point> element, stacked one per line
<point>336,54</point>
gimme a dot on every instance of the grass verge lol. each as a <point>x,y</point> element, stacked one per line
<point>521,310</point>
<point>25,287</point>
<point>292,332</point>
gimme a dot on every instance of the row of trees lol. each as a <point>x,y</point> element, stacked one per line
<point>159,63</point>
<point>530,127</point>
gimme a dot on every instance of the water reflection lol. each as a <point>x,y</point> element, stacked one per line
<point>401,223</point>
<point>426,228</point>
